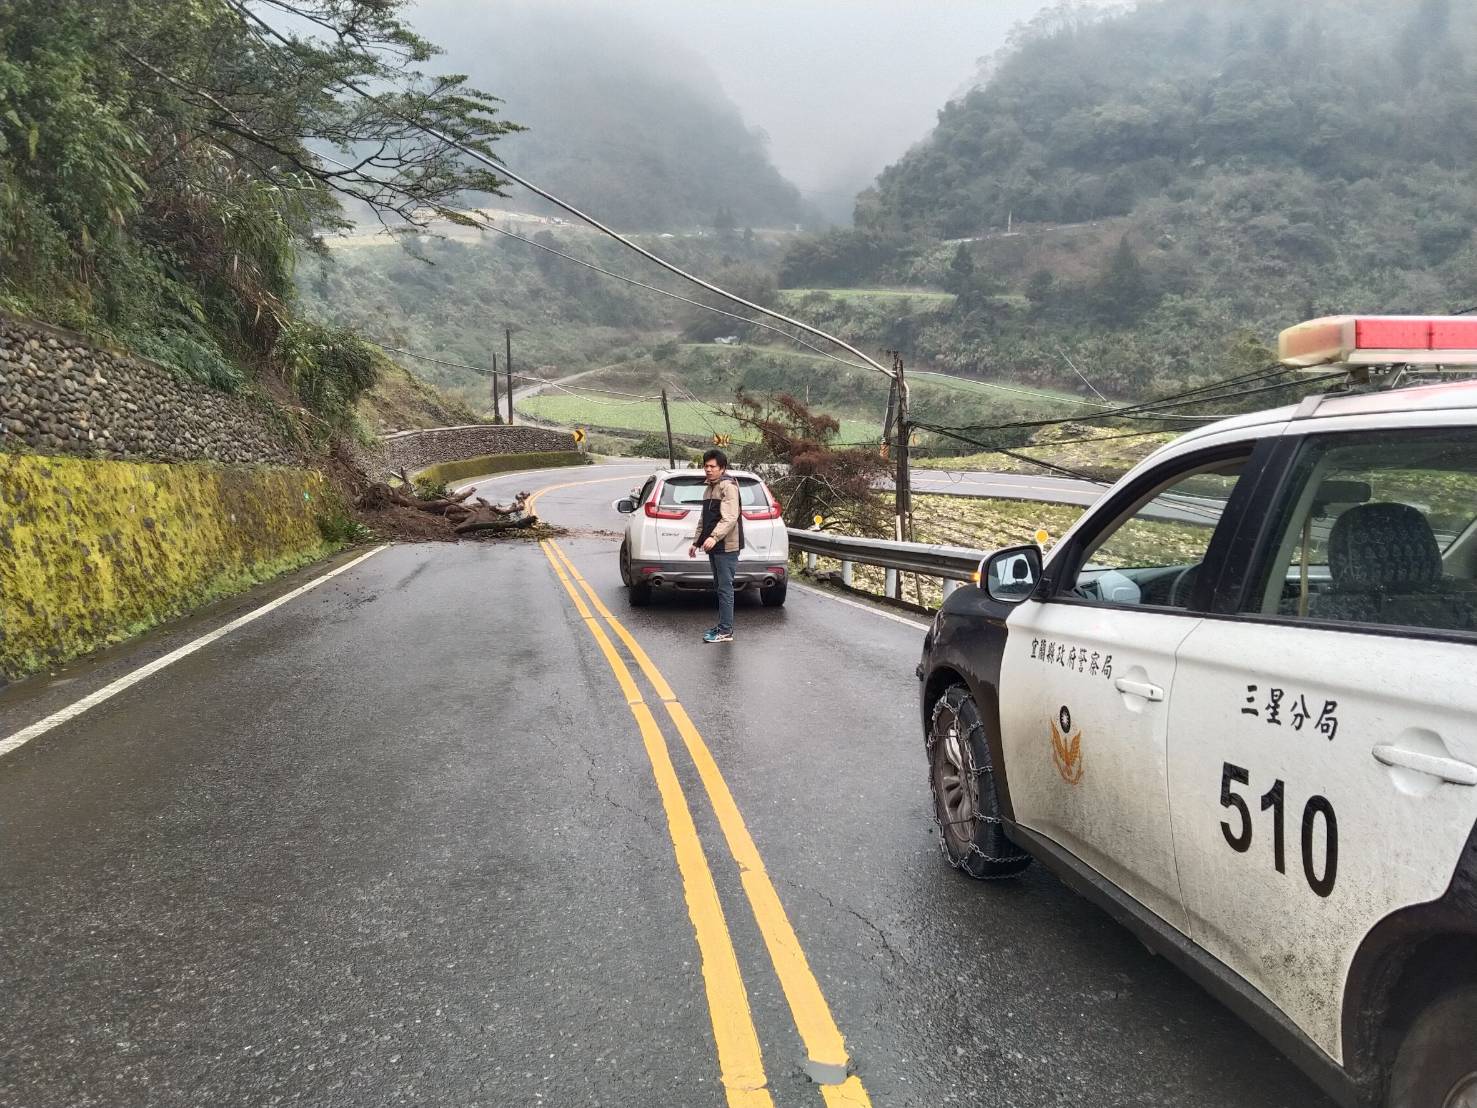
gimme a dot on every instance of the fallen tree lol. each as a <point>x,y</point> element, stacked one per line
<point>466,514</point>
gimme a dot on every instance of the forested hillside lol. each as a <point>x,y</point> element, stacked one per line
<point>1155,192</point>
<point>452,300</point>
<point>622,122</point>
<point>164,165</point>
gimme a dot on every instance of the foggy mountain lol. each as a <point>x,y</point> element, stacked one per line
<point>623,122</point>
<point>1157,190</point>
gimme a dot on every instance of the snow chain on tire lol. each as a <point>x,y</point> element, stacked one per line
<point>984,785</point>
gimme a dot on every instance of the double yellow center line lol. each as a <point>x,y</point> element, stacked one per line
<point>740,1061</point>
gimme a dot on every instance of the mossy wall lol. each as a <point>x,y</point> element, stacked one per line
<point>487,464</point>
<point>94,551</point>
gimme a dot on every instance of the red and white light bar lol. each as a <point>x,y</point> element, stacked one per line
<point>1381,340</point>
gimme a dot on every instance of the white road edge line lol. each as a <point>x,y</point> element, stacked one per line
<point>25,735</point>
<point>858,604</point>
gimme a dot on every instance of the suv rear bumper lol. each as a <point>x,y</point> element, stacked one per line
<point>695,573</point>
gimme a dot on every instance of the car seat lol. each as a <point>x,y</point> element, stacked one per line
<point>1386,568</point>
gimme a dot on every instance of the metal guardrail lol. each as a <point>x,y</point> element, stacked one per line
<point>953,564</point>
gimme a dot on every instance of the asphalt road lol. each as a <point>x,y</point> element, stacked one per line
<point>402,841</point>
<point>1009,486</point>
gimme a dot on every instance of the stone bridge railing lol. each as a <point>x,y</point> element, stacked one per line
<point>415,450</point>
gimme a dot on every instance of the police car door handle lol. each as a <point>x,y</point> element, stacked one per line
<point>1139,688</point>
<point>1447,769</point>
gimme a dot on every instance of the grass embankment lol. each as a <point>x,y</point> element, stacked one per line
<point>401,401</point>
<point>1101,457</point>
<point>989,524</point>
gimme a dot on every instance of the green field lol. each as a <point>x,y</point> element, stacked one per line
<point>688,417</point>
<point>923,380</point>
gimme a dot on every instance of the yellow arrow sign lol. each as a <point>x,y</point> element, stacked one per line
<point>579,436</point>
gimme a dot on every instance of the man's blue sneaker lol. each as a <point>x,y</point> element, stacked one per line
<point>717,635</point>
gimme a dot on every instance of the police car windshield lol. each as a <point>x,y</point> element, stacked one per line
<point>688,491</point>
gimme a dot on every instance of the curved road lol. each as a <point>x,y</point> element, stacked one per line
<point>410,838</point>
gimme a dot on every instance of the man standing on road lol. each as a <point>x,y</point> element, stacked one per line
<point>720,535</point>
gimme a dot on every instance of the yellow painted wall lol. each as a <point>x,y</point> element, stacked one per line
<point>94,551</point>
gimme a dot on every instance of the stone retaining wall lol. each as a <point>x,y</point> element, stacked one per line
<point>417,449</point>
<point>61,393</point>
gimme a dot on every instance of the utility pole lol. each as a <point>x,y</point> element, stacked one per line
<point>508,338</point>
<point>902,482</point>
<point>667,418</point>
<point>497,400</point>
<point>903,486</point>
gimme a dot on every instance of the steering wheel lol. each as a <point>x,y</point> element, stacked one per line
<point>1183,586</point>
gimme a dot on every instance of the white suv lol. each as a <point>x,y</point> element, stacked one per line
<point>1237,705</point>
<point>663,517</point>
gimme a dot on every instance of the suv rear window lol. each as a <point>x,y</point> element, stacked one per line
<point>688,492</point>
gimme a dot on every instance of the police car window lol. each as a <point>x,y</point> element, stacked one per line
<point>1378,528</point>
<point>689,491</point>
<point>1152,555</point>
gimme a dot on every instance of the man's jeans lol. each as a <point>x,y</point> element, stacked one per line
<point>724,564</point>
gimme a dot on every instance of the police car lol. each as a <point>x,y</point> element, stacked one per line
<point>1237,706</point>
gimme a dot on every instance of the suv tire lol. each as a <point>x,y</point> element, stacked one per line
<point>774,596</point>
<point>1437,1063</point>
<point>639,595</point>
<point>966,806</point>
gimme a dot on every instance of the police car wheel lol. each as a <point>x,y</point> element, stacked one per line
<point>965,804</point>
<point>1437,1063</point>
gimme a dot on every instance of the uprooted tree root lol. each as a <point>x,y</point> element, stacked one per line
<point>399,512</point>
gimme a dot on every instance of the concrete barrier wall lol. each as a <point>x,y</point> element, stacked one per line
<point>92,552</point>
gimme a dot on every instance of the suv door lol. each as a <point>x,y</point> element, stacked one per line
<point>1324,749</point>
<point>1088,669</point>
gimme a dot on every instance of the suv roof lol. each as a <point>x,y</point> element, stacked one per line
<point>695,472</point>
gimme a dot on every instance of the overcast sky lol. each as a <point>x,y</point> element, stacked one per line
<point>841,86</point>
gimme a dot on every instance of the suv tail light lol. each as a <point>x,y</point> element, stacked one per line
<point>774,511</point>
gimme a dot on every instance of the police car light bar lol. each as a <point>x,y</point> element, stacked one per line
<point>1380,340</point>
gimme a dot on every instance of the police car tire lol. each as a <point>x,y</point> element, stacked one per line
<point>774,596</point>
<point>982,849</point>
<point>1438,1056</point>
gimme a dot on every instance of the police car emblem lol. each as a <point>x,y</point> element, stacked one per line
<point>1066,752</point>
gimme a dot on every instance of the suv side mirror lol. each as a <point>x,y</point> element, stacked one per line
<point>626,505</point>
<point>1011,575</point>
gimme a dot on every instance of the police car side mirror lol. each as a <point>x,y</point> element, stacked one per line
<point>626,505</point>
<point>1011,575</point>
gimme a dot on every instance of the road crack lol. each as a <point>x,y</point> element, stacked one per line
<point>896,958</point>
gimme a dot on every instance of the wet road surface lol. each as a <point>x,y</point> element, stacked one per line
<point>401,841</point>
